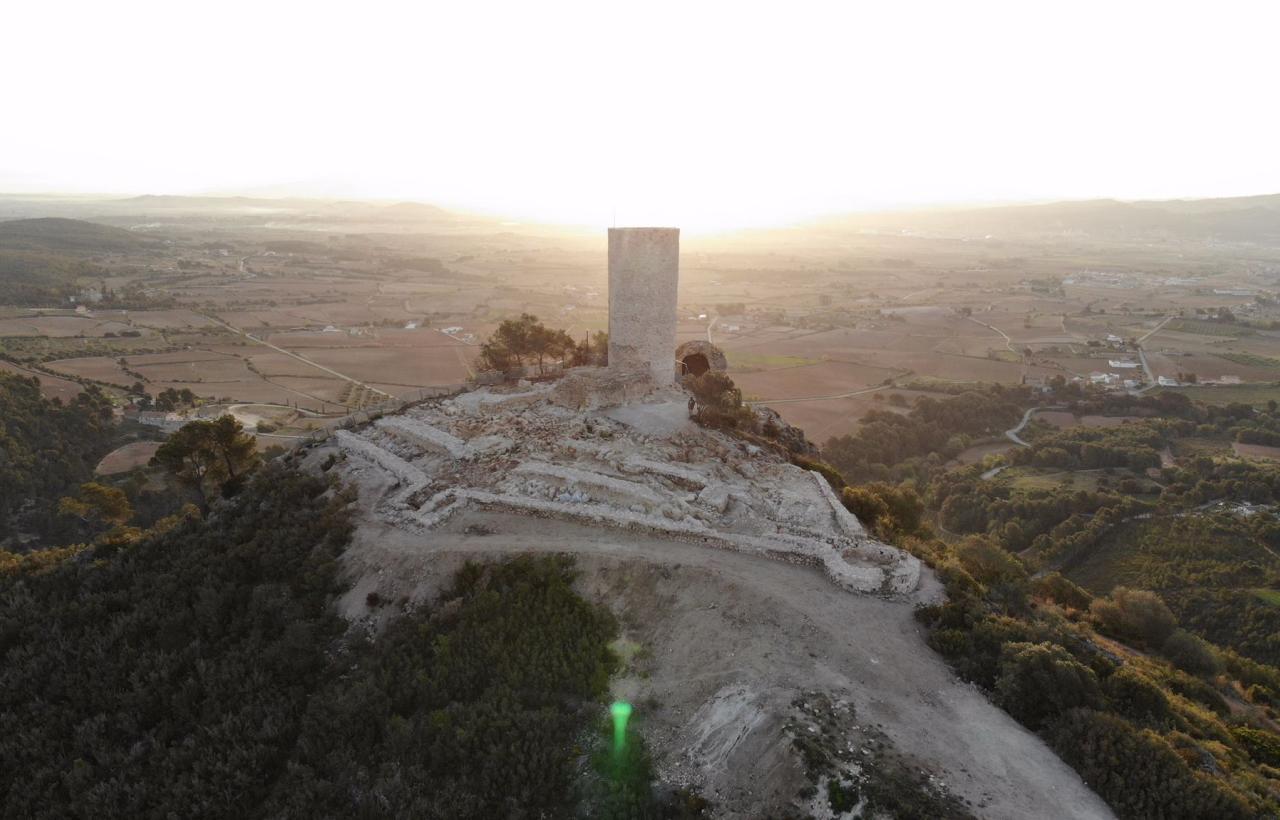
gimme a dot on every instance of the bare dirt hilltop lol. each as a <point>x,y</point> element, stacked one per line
<point>764,631</point>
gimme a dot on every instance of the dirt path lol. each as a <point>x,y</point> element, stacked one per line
<point>246,334</point>
<point>1153,331</point>
<point>734,640</point>
<point>851,393</point>
<point>1012,433</point>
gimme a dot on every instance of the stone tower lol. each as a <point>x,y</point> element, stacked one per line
<point>644,272</point>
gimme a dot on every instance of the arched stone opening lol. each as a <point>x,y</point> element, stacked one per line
<point>696,357</point>
<point>695,364</point>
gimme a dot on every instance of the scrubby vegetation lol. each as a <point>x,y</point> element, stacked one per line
<point>469,710</point>
<point>170,677</point>
<point>527,342</point>
<point>46,449</point>
<point>1131,624</point>
<point>892,446</point>
<point>198,669</point>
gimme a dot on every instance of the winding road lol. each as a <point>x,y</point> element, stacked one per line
<point>1012,432</point>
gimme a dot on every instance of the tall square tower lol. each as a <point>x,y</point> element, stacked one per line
<point>644,275</point>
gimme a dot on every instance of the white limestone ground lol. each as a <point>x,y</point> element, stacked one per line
<point>673,528</point>
<point>642,467</point>
<point>729,643</point>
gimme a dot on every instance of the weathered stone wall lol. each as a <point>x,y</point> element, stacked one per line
<point>644,273</point>
<point>716,361</point>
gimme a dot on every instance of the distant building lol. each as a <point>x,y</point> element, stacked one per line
<point>1166,381</point>
<point>1122,364</point>
<point>159,418</point>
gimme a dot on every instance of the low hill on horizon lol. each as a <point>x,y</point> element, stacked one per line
<point>61,234</point>
<point>1231,219</point>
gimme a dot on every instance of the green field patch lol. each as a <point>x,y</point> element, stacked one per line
<point>1192,446</point>
<point>1270,596</point>
<point>1250,359</point>
<point>1255,394</point>
<point>1208,328</point>
<point>1041,478</point>
<point>764,361</point>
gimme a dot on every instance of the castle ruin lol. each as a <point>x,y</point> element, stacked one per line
<point>614,448</point>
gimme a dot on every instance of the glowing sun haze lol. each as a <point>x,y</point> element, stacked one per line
<point>701,114</point>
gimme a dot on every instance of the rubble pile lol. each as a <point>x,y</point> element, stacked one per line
<point>639,466</point>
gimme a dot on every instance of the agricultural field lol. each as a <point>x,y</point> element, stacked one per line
<point>332,306</point>
<point>127,457</point>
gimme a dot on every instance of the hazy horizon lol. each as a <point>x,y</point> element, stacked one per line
<point>713,117</point>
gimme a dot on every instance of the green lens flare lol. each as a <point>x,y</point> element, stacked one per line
<point>621,711</point>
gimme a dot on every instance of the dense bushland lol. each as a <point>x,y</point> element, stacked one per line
<point>46,448</point>
<point>199,670</point>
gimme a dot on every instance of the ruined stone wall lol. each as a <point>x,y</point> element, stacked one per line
<point>644,272</point>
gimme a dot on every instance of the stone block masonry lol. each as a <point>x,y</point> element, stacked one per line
<point>644,274</point>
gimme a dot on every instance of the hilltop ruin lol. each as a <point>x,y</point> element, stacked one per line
<point>613,447</point>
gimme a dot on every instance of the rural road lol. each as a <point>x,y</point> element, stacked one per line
<point>1142,355</point>
<point>1007,341</point>
<point>1151,378</point>
<point>1012,432</point>
<point>293,355</point>
<point>850,394</point>
<point>718,621</point>
<point>1153,331</point>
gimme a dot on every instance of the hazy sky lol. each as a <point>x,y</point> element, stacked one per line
<point>702,114</point>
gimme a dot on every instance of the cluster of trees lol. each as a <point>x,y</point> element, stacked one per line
<point>1202,479</point>
<point>169,678</point>
<point>967,505</point>
<point>1134,727</point>
<point>892,446</point>
<point>199,669</point>
<point>1161,731</point>
<point>467,711</point>
<point>520,343</point>
<point>1163,404</point>
<point>46,448</point>
<point>1135,446</point>
<point>34,277</point>
<point>1217,573</point>
<point>718,403</point>
<point>173,399</point>
<point>209,457</point>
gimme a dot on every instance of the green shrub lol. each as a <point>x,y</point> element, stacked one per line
<point>1134,614</point>
<point>1262,746</point>
<point>1191,653</point>
<point>831,474</point>
<point>1137,772</point>
<point>1055,587</point>
<point>888,511</point>
<point>1040,681</point>
<point>1137,697</point>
